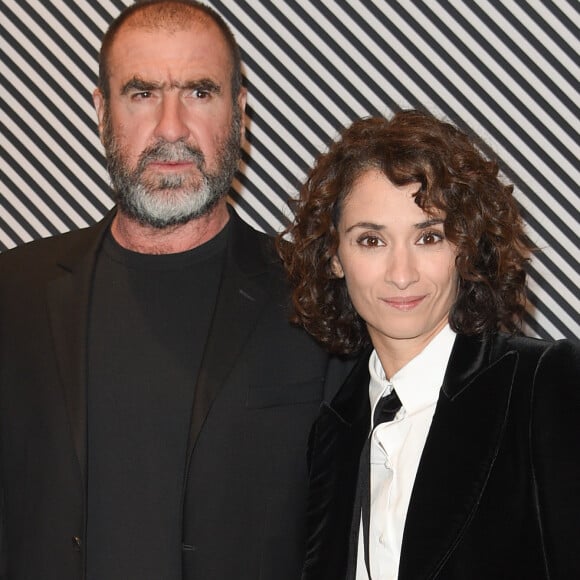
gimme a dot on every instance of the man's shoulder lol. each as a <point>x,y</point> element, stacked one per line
<point>254,248</point>
<point>46,245</point>
<point>244,230</point>
<point>38,255</point>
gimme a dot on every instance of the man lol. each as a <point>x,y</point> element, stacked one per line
<point>154,400</point>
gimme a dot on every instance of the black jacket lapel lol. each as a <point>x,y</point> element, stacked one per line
<point>68,299</point>
<point>241,298</point>
<point>459,453</point>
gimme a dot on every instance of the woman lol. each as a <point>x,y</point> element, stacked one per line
<point>410,252</point>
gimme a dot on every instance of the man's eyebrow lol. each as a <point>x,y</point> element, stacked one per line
<point>200,84</point>
<point>139,84</point>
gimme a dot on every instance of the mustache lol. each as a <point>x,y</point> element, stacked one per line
<point>171,153</point>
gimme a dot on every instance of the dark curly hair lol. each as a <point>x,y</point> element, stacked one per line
<point>482,220</point>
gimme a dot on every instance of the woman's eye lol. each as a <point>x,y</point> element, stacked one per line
<point>429,238</point>
<point>370,241</point>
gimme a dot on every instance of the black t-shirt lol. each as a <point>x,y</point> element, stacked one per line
<point>149,320</point>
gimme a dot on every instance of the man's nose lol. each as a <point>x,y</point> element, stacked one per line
<point>171,125</point>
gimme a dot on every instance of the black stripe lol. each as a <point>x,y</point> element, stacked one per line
<point>548,284</point>
<point>488,99</point>
<point>77,10</point>
<point>47,76</point>
<point>31,84</point>
<point>33,186</point>
<point>366,74</point>
<point>554,320</point>
<point>543,78</point>
<point>261,222</point>
<point>88,69</point>
<point>496,133</point>
<point>518,79</point>
<point>70,198</point>
<point>554,35</point>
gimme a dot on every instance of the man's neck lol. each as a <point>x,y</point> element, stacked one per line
<point>144,239</point>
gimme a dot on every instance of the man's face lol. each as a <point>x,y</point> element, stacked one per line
<point>171,129</point>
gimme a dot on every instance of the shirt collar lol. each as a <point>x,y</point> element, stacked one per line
<point>418,382</point>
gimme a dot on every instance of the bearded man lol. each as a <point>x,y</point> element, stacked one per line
<point>154,400</point>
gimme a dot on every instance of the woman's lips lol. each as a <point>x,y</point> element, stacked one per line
<point>404,303</point>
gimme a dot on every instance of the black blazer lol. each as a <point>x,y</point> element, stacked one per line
<point>258,392</point>
<point>497,492</point>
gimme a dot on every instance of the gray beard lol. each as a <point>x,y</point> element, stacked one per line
<point>162,201</point>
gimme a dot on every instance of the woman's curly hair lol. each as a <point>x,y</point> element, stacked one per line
<point>482,220</point>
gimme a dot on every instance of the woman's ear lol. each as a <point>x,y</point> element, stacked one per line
<point>336,267</point>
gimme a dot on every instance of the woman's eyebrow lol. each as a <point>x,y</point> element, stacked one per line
<point>366,226</point>
<point>429,223</point>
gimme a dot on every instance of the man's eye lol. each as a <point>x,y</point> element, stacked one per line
<point>141,95</point>
<point>201,93</point>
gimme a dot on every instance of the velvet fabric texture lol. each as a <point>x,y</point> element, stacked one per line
<point>258,391</point>
<point>497,493</point>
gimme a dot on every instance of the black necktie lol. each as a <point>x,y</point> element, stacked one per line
<point>385,411</point>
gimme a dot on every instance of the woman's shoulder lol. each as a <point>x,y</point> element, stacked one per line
<point>538,347</point>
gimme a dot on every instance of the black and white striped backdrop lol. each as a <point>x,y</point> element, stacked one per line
<point>506,69</point>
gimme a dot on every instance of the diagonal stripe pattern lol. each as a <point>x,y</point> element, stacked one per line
<point>507,70</point>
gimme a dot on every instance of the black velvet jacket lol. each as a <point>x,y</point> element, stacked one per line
<point>497,492</point>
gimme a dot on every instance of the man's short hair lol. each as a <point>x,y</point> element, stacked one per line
<point>168,15</point>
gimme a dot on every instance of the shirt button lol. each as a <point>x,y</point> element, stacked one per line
<point>77,543</point>
<point>383,540</point>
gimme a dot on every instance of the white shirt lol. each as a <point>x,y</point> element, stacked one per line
<point>396,449</point>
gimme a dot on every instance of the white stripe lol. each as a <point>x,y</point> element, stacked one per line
<point>468,91</point>
<point>23,214</point>
<point>548,304</point>
<point>537,57</point>
<point>284,106</point>
<point>258,186</point>
<point>499,97</point>
<point>38,202</point>
<point>569,296</point>
<point>559,30</point>
<point>569,244</point>
<point>34,55</point>
<point>514,87</point>
<point>92,15</point>
<point>48,164</point>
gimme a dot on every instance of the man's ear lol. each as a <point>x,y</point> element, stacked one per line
<point>99,102</point>
<point>336,267</point>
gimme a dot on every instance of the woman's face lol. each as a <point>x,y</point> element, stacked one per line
<point>398,266</point>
